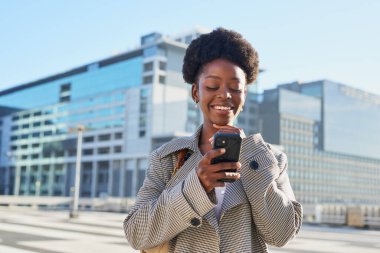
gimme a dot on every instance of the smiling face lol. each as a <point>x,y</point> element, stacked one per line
<point>221,92</point>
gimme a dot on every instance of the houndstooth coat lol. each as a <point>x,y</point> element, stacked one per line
<point>257,210</point>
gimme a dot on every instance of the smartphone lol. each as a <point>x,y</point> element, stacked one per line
<point>232,143</point>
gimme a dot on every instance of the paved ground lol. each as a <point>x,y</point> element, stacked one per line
<point>31,231</point>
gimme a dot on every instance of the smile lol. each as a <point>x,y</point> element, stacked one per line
<point>222,107</point>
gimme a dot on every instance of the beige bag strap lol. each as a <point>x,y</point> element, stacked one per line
<point>182,156</point>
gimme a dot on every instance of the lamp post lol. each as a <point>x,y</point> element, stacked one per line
<point>11,159</point>
<point>74,211</point>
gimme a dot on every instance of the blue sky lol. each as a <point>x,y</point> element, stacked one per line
<point>302,40</point>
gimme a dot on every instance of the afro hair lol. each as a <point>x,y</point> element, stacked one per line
<point>220,44</point>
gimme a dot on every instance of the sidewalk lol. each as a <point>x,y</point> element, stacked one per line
<point>32,231</point>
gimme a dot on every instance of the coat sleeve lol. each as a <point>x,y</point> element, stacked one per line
<point>161,213</point>
<point>275,211</point>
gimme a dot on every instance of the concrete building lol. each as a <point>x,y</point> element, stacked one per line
<point>134,102</point>
<point>129,104</point>
<point>329,132</point>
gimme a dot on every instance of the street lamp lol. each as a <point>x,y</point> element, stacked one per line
<point>74,211</point>
<point>11,159</point>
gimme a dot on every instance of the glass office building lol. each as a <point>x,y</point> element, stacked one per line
<point>128,105</point>
<point>328,131</point>
<point>134,102</point>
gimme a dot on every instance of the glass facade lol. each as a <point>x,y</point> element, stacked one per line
<point>120,75</point>
<point>325,177</point>
<point>351,121</point>
<point>327,131</point>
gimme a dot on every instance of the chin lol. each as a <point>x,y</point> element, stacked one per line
<point>223,122</point>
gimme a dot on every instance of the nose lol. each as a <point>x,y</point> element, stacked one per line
<point>225,93</point>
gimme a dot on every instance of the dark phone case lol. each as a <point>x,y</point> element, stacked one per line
<point>232,145</point>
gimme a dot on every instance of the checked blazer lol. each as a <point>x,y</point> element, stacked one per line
<point>257,210</point>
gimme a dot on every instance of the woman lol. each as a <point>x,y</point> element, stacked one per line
<point>191,210</point>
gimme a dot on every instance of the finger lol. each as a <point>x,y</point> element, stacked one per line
<point>212,154</point>
<point>228,130</point>
<point>227,175</point>
<point>228,165</point>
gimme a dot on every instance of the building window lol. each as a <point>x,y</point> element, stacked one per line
<point>148,79</point>
<point>142,133</point>
<point>148,66</point>
<point>162,65</point>
<point>48,122</point>
<point>14,128</point>
<point>104,150</point>
<point>143,107</point>
<point>59,153</point>
<point>48,133</point>
<point>162,79</point>
<point>64,94</point>
<point>16,117</point>
<point>87,152</point>
<point>118,136</point>
<point>117,149</point>
<point>72,152</point>
<point>65,87</point>
<point>88,139</point>
<point>36,134</point>
<point>143,94</point>
<point>36,124</point>
<point>104,137</point>
<point>142,122</point>
<point>39,113</point>
<point>46,154</point>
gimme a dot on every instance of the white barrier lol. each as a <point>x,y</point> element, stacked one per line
<point>98,204</point>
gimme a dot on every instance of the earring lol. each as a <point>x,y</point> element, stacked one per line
<point>196,104</point>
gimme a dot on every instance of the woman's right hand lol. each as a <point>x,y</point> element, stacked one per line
<point>210,174</point>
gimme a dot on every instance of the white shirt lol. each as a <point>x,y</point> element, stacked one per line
<point>219,193</point>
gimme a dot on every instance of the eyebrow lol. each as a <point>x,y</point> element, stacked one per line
<point>218,78</point>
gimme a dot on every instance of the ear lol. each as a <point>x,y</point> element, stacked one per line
<point>195,92</point>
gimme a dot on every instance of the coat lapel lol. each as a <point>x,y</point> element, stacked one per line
<point>182,172</point>
<point>234,196</point>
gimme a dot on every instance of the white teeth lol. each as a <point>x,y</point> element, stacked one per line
<point>224,108</point>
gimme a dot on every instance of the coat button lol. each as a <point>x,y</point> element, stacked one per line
<point>195,222</point>
<point>254,165</point>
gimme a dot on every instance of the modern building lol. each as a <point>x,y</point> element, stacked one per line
<point>129,104</point>
<point>329,132</point>
<point>134,102</point>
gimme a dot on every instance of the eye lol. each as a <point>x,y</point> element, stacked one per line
<point>212,87</point>
<point>237,91</point>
